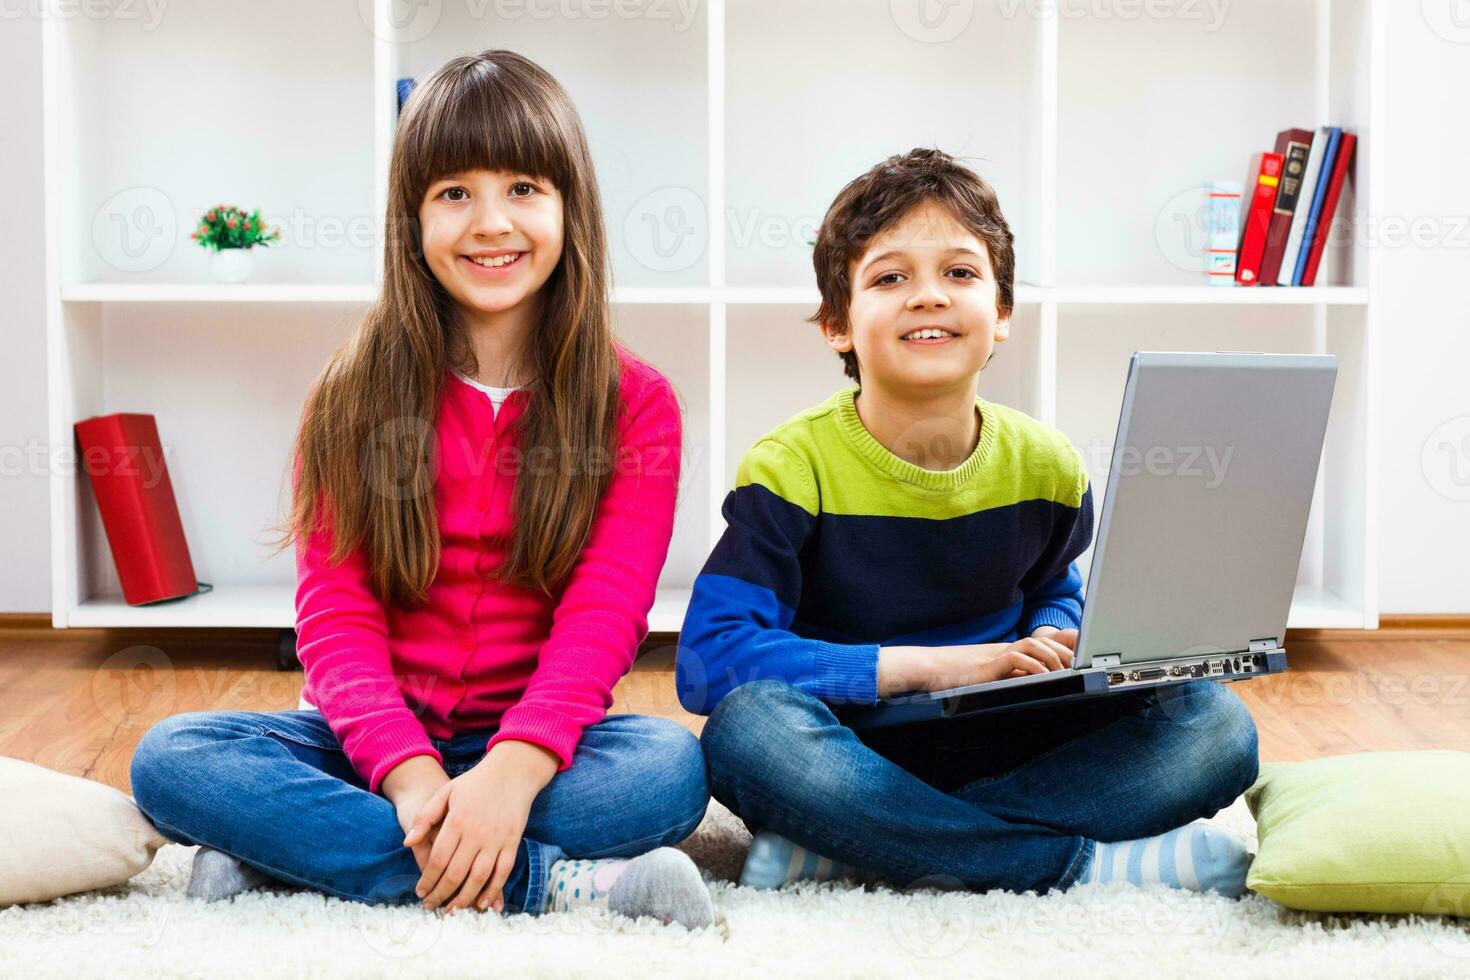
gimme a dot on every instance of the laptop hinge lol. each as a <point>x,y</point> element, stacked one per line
<point>1256,646</point>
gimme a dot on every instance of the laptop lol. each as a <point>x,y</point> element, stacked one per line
<point>1199,541</point>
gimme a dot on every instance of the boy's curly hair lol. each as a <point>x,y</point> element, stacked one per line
<point>878,199</point>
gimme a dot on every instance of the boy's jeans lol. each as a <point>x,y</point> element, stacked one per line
<point>275,790</point>
<point>1011,800</point>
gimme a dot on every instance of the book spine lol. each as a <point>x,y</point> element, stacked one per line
<point>1261,181</point>
<point>1345,146</point>
<point>1222,230</point>
<point>1303,205</point>
<point>137,506</point>
<point>1329,157</point>
<point>1294,145</point>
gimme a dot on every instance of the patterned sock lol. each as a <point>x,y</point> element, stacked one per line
<point>577,883</point>
<point>664,883</point>
<point>774,861</point>
<point>1197,856</point>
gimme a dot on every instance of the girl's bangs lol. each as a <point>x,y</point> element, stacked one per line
<point>491,127</point>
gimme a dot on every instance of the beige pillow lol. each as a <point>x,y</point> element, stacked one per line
<point>61,834</point>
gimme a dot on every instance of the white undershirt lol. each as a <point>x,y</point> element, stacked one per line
<point>497,395</point>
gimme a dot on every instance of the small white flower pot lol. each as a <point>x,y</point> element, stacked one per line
<point>231,264</point>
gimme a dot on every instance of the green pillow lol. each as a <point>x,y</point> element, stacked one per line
<point>1369,832</point>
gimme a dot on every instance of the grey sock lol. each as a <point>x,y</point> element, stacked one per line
<point>217,875</point>
<point>665,884</point>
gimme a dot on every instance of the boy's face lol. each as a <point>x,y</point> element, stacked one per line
<point>925,271</point>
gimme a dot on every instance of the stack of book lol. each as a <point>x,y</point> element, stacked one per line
<point>1286,210</point>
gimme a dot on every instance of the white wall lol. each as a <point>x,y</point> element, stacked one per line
<point>25,536</point>
<point>1424,234</point>
<point>1424,529</point>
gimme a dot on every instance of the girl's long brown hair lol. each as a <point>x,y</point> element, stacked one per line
<point>367,444</point>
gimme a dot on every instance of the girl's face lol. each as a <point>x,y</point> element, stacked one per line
<point>491,237</point>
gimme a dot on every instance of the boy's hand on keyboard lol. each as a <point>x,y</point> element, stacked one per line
<point>1066,636</point>
<point>1029,652</point>
<point>903,669</point>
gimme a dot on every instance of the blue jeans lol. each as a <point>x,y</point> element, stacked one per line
<point>1012,800</point>
<point>276,791</point>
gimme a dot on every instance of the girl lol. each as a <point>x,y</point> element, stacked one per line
<point>484,496</point>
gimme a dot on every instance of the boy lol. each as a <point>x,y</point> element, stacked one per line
<point>909,535</point>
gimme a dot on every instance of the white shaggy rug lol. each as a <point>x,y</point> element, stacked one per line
<point>148,928</point>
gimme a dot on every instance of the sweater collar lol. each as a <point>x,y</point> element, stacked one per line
<point>879,455</point>
<point>509,408</point>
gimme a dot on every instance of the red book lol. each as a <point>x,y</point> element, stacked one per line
<point>122,456</point>
<point>1293,145</point>
<point>1255,215</point>
<point>1346,143</point>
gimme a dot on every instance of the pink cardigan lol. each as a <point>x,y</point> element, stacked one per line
<point>479,653</point>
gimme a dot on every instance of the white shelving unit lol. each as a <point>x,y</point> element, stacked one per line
<point>719,143</point>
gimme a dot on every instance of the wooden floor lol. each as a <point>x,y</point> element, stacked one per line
<point>79,700</point>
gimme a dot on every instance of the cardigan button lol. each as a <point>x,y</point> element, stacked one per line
<point>473,588</point>
<point>466,644</point>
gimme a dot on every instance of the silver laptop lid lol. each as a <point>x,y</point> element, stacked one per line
<point>1206,506</point>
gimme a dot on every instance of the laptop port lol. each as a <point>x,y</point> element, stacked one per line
<point>1198,670</point>
<point>1116,678</point>
<point>1147,674</point>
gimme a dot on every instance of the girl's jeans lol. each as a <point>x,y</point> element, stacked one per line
<point>1012,800</point>
<point>276,791</point>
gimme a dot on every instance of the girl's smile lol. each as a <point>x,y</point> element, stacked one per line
<point>493,264</point>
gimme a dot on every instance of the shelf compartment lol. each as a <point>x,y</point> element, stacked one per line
<point>143,155</point>
<point>1134,154</point>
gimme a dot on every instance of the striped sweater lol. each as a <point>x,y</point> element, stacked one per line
<point>835,546</point>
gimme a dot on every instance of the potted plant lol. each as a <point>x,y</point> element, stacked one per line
<point>231,233</point>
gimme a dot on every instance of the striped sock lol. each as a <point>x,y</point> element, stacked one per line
<point>1198,857</point>
<point>774,861</point>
